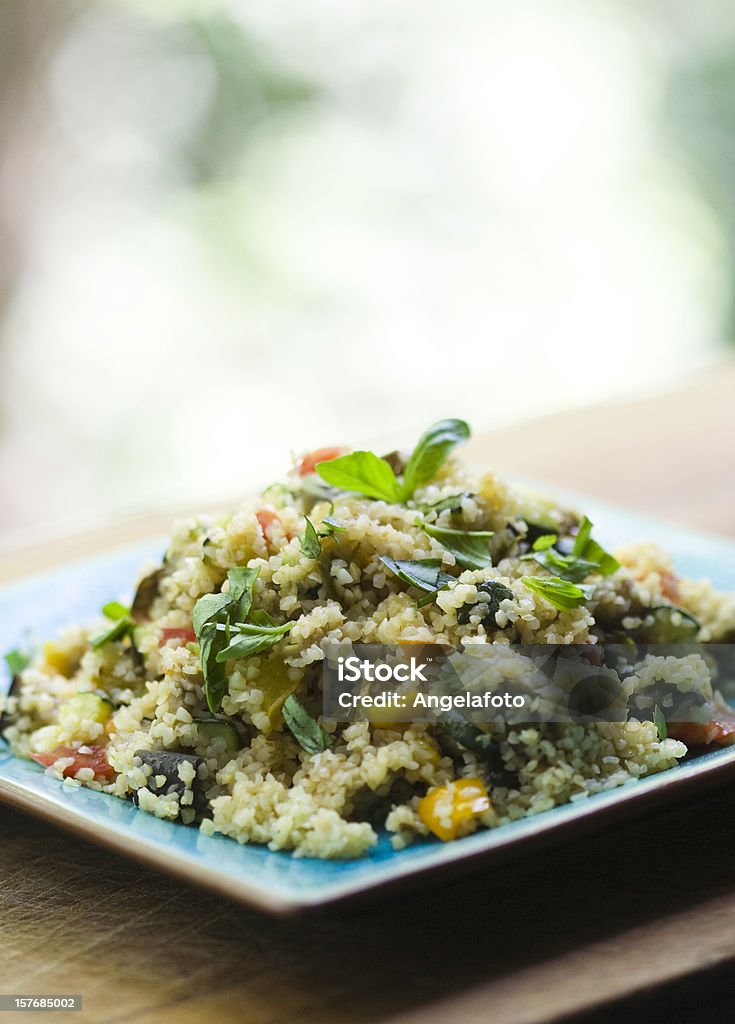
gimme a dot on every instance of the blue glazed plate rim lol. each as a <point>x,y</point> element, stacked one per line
<point>277,881</point>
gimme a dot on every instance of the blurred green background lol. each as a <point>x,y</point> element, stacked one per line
<point>231,231</point>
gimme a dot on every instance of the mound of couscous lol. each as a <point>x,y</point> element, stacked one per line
<point>201,700</point>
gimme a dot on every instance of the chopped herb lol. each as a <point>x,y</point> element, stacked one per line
<point>309,541</point>
<point>17,661</point>
<point>566,567</point>
<point>423,573</point>
<point>431,452</point>
<point>365,473</point>
<point>241,583</point>
<point>587,557</point>
<point>561,593</point>
<point>122,625</point>
<point>587,548</point>
<point>542,543</point>
<point>220,623</point>
<point>451,504</point>
<point>304,728</point>
<point>362,473</point>
<point>208,609</point>
<point>330,526</point>
<point>250,639</point>
<point>659,720</point>
<point>215,674</point>
<point>114,611</point>
<point>469,547</point>
<point>497,592</point>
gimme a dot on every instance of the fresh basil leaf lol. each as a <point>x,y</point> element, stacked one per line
<point>453,503</point>
<point>587,557</point>
<point>241,581</point>
<point>253,628</point>
<point>497,592</point>
<point>118,631</point>
<point>362,473</point>
<point>329,527</point>
<point>659,720</point>
<point>586,547</point>
<point>430,453</point>
<point>208,609</point>
<point>423,573</point>
<point>561,593</point>
<point>16,662</point>
<point>215,675</point>
<point>244,645</point>
<point>566,567</point>
<point>114,610</point>
<point>305,729</point>
<point>260,617</point>
<point>469,547</point>
<point>547,540</point>
<point>309,540</point>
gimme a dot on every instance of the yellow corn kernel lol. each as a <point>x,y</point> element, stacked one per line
<point>445,809</point>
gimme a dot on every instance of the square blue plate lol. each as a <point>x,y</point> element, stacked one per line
<point>279,882</point>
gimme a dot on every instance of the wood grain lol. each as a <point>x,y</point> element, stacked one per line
<point>531,942</point>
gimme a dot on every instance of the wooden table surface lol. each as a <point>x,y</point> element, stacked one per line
<point>535,941</point>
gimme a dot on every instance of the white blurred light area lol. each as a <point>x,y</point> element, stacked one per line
<point>474,214</point>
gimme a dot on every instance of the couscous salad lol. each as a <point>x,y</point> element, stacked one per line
<point>201,698</point>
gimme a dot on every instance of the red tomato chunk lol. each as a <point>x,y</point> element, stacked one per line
<point>183,633</point>
<point>308,463</point>
<point>96,759</point>
<point>695,734</point>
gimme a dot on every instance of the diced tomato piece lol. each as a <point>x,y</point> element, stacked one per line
<point>96,759</point>
<point>266,519</point>
<point>308,463</point>
<point>701,734</point>
<point>183,633</point>
<point>670,587</point>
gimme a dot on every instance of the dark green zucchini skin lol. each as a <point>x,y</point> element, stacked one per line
<point>668,625</point>
<point>220,727</point>
<point>166,763</point>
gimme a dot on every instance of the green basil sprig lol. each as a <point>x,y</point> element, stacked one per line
<point>453,503</point>
<point>469,547</point>
<point>227,628</point>
<point>586,559</point>
<point>587,548</point>
<point>17,661</point>
<point>423,573</point>
<point>311,539</point>
<point>366,473</point>
<point>561,593</point>
<point>122,625</point>
<point>304,728</point>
